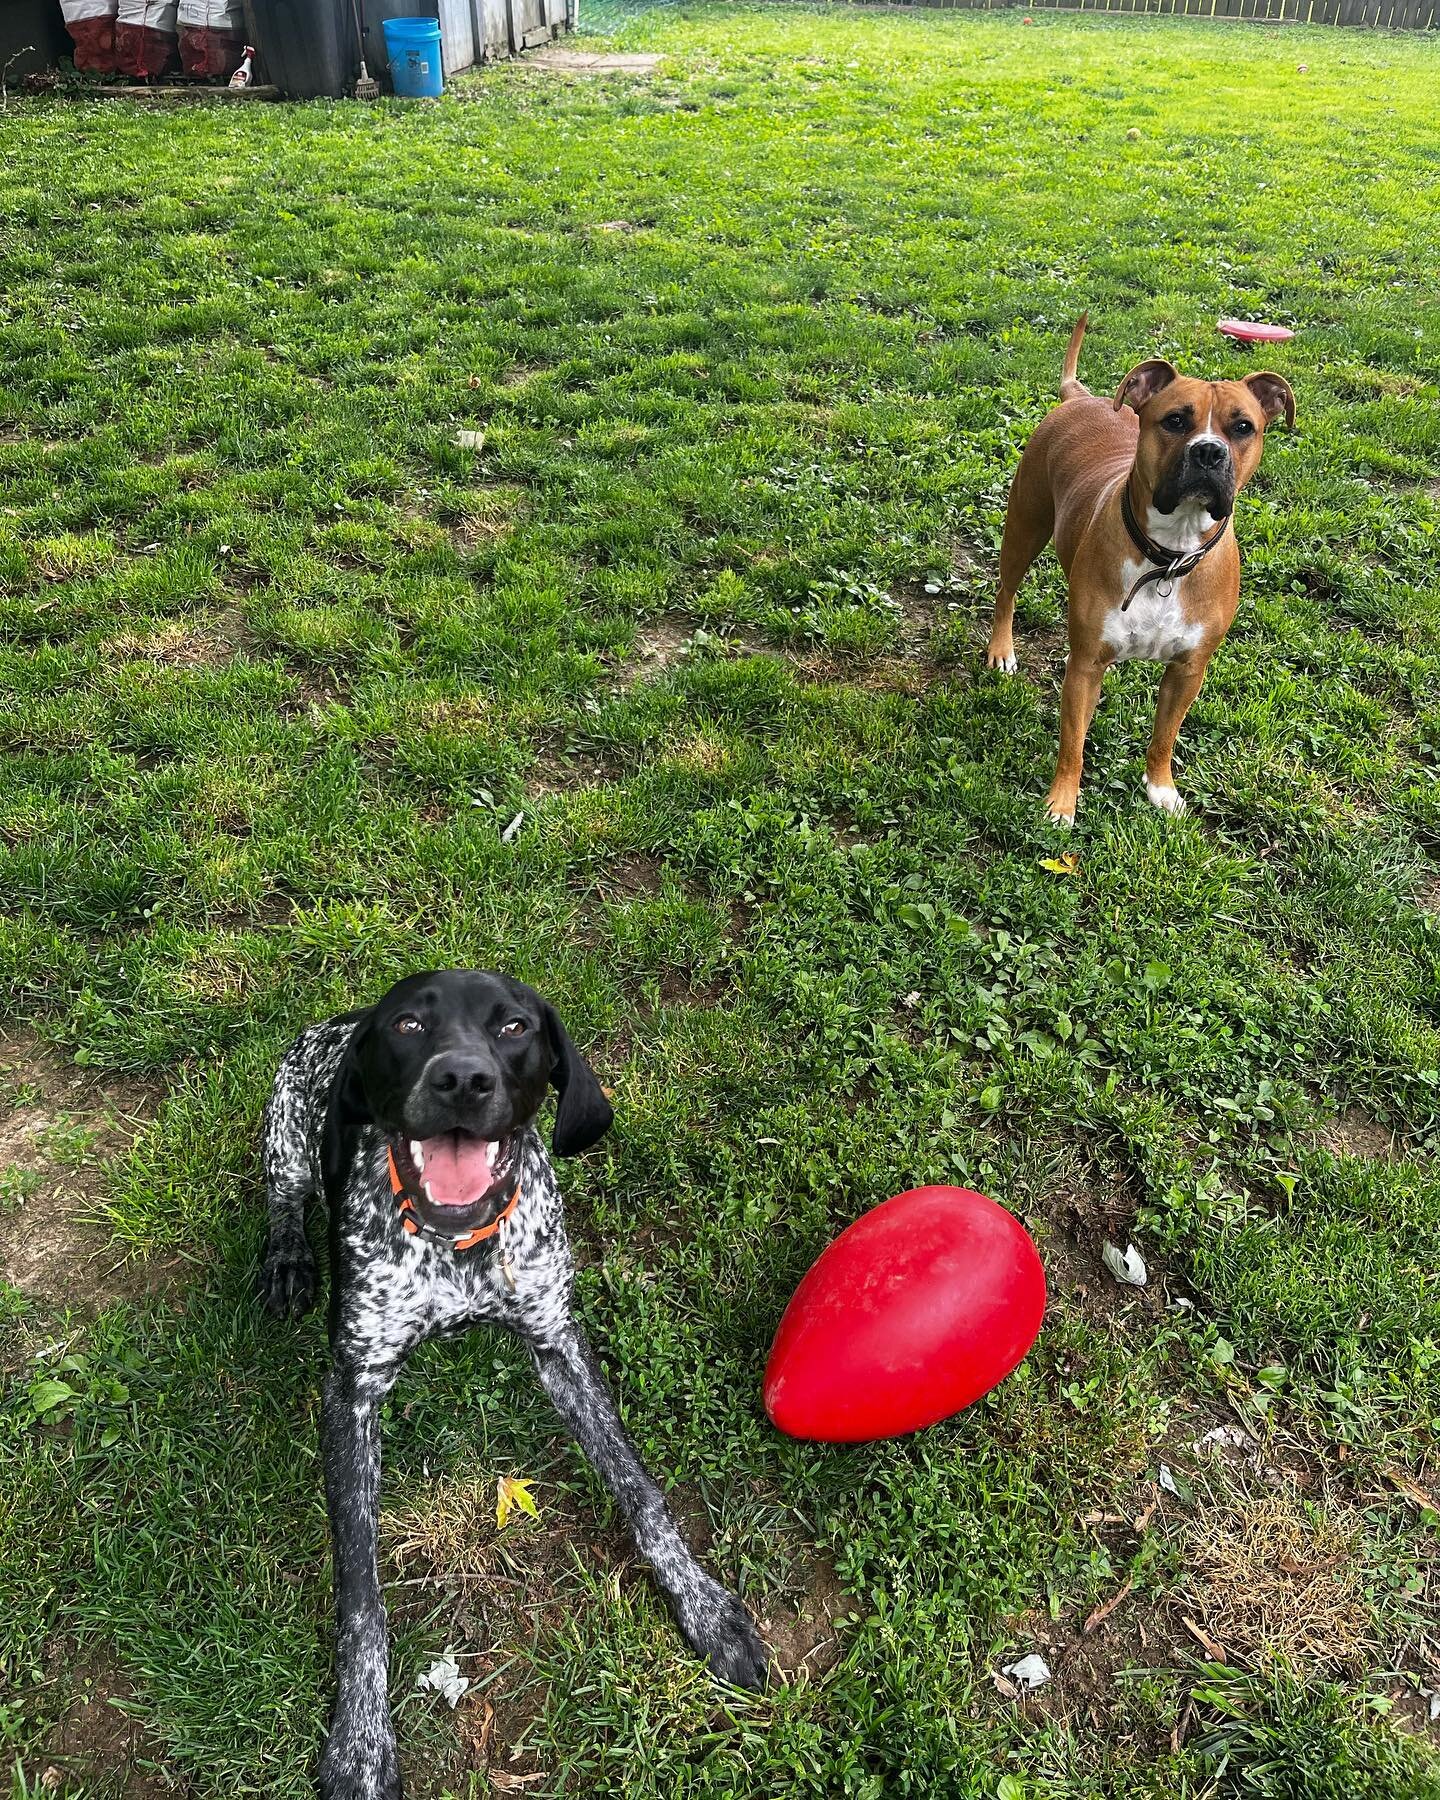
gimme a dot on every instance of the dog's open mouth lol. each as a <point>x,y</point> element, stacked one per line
<point>457,1177</point>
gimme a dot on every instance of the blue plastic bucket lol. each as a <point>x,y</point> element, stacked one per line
<point>413,46</point>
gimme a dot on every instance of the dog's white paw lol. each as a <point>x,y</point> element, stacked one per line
<point>1166,798</point>
<point>1057,816</point>
<point>1003,665</point>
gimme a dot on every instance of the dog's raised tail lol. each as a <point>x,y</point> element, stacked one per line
<point>1069,386</point>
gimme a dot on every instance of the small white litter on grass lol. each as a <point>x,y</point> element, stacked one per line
<point>507,836</point>
<point>1226,1437</point>
<point>1029,1673</point>
<point>470,440</point>
<point>445,1678</point>
<point>1168,1481</point>
<point>1126,1265</point>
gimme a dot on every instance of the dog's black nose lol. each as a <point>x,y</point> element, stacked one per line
<point>461,1077</point>
<point>1209,455</point>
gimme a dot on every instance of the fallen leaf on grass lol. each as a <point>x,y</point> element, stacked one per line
<point>505,1782</point>
<point>512,1495</point>
<point>1067,863</point>
<point>1216,1652</point>
<point>1412,1490</point>
<point>1103,1612</point>
<point>1181,1726</point>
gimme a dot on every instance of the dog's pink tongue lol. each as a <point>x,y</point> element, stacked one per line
<point>457,1168</point>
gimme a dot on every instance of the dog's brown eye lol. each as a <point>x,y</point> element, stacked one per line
<point>1176,422</point>
<point>408,1024</point>
<point>1242,428</point>
<point>515,1028</point>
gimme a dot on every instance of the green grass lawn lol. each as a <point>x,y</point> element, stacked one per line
<point>754,342</point>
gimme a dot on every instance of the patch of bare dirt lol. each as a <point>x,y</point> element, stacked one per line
<point>98,1748</point>
<point>629,877</point>
<point>488,514</point>
<point>919,614</point>
<point>207,641</point>
<point>1356,1134</point>
<point>557,771</point>
<point>1040,651</point>
<point>1096,1658</point>
<point>1093,1672</point>
<point>1077,1281</point>
<point>659,645</point>
<point>803,1631</point>
<point>1085,1210</point>
<point>583,62</point>
<point>907,675</point>
<point>678,988</point>
<point>61,1129</point>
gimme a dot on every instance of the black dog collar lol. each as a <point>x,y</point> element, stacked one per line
<point>1172,564</point>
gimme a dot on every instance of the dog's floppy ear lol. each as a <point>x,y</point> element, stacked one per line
<point>1273,393</point>
<point>347,1111</point>
<point>1144,381</point>
<point>583,1114</point>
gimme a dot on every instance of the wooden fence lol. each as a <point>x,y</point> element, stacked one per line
<point>1376,15</point>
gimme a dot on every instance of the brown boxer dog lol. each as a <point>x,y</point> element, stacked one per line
<point>1138,495</point>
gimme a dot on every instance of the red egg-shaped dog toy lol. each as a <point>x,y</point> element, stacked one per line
<point>1253,331</point>
<point>915,1310</point>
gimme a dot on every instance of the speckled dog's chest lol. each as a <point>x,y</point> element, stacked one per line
<point>403,1289</point>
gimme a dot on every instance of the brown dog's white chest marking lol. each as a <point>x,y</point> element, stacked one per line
<point>1138,496</point>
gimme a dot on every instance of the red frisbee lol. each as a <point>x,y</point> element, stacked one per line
<point>1252,331</point>
<point>917,1309</point>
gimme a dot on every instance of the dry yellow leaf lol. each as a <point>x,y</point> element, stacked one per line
<point>511,1495</point>
<point>1067,863</point>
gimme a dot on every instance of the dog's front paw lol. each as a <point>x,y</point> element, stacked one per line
<point>1063,800</point>
<point>1166,797</point>
<point>360,1768</point>
<point>1001,659</point>
<point>287,1279</point>
<point>722,1631</point>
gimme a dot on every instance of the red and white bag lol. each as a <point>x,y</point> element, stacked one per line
<point>91,23</point>
<point>145,37</point>
<point>212,36</point>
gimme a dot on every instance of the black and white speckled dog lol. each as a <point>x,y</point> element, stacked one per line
<point>416,1119</point>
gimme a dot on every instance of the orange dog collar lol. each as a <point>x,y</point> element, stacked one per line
<point>415,1225</point>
